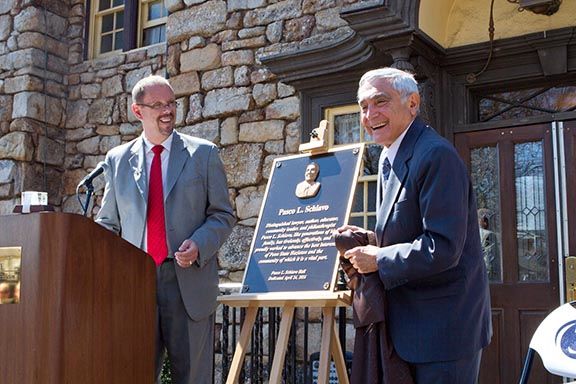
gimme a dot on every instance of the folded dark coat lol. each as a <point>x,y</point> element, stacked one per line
<point>375,360</point>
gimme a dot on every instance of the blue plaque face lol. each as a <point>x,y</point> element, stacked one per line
<point>307,198</point>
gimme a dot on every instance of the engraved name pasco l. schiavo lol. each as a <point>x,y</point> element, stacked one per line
<point>306,209</point>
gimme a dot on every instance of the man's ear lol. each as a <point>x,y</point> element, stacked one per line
<point>414,103</point>
<point>136,111</point>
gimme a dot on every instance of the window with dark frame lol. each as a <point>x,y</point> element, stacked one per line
<point>345,129</point>
<point>122,25</point>
<point>153,16</point>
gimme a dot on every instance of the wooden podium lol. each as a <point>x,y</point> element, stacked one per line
<point>87,304</point>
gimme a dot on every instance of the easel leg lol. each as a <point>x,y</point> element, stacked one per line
<point>338,357</point>
<point>281,344</point>
<point>242,346</point>
<point>325,349</point>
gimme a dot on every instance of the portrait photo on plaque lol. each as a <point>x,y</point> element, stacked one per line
<point>307,197</point>
<point>10,262</point>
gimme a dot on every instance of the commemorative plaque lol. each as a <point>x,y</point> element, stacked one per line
<point>307,198</point>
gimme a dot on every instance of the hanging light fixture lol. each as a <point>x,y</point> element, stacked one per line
<point>541,7</point>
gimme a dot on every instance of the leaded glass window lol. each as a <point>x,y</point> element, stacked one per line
<point>531,212</point>
<point>526,103</point>
<point>484,165</point>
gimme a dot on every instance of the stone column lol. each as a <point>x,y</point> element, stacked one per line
<point>33,62</point>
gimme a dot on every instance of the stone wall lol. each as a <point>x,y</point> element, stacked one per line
<point>229,98</point>
<point>224,95</point>
<point>34,52</point>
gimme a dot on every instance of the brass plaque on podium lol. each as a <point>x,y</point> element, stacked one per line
<point>10,262</point>
<point>307,198</point>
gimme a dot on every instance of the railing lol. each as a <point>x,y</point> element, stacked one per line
<point>303,344</point>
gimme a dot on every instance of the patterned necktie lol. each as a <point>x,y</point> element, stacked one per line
<point>386,168</point>
<point>155,221</point>
<point>384,173</point>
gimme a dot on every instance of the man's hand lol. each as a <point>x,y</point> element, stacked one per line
<point>353,228</point>
<point>187,254</point>
<point>371,235</point>
<point>363,259</point>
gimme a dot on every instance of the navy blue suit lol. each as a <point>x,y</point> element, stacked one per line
<point>430,258</point>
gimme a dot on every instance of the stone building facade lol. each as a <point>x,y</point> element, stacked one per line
<point>60,113</point>
<point>255,76</point>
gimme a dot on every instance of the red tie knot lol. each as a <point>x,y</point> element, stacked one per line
<point>157,149</point>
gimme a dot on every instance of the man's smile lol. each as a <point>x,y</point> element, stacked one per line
<point>378,126</point>
<point>166,119</point>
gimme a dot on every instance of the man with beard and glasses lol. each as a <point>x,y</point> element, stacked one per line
<point>167,193</point>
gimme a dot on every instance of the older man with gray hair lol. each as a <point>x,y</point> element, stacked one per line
<point>427,252</point>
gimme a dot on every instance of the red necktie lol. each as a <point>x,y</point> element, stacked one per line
<point>155,224</point>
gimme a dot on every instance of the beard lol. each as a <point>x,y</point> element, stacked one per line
<point>165,129</point>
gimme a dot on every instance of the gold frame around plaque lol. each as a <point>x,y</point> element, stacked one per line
<point>10,264</point>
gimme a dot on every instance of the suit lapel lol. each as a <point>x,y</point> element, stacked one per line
<point>379,180</point>
<point>138,164</point>
<point>397,178</point>
<point>178,157</point>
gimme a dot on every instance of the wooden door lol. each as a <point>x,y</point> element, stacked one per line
<point>514,173</point>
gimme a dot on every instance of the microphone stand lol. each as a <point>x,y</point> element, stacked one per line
<point>89,191</point>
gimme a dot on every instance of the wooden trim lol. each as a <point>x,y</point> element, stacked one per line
<point>331,113</point>
<point>282,343</point>
<point>91,13</point>
<point>514,123</point>
<point>96,29</point>
<point>347,52</point>
<point>280,299</point>
<point>511,48</point>
<point>242,346</point>
<point>393,22</point>
<point>313,103</point>
<point>382,19</point>
<point>144,23</point>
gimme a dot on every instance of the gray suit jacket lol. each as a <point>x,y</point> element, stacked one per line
<point>430,260</point>
<point>197,207</point>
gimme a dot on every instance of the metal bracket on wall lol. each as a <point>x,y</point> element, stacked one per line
<point>570,265</point>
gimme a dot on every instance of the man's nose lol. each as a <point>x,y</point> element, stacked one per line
<point>371,111</point>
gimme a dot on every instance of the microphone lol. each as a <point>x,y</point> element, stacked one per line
<point>87,181</point>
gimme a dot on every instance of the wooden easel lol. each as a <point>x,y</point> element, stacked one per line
<point>327,300</point>
<point>330,345</point>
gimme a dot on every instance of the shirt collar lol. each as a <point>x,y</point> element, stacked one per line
<point>392,150</point>
<point>167,144</point>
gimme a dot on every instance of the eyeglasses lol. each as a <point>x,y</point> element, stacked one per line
<point>158,106</point>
